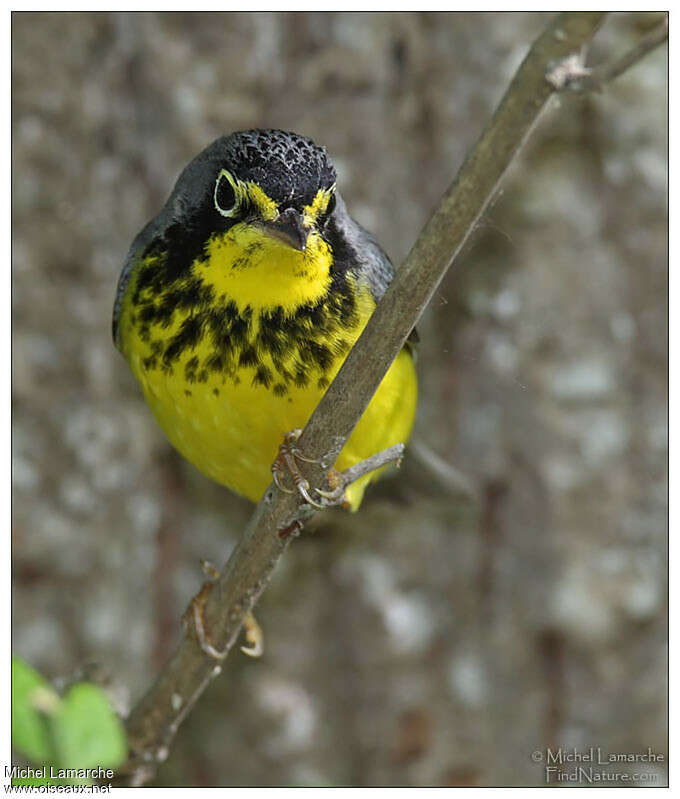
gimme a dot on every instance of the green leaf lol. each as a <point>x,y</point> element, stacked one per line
<point>32,700</point>
<point>37,781</point>
<point>86,730</point>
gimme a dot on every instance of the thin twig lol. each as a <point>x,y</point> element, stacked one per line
<point>450,477</point>
<point>390,455</point>
<point>650,41</point>
<point>154,721</point>
<point>571,74</point>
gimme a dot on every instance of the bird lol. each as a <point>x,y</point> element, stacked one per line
<point>238,303</point>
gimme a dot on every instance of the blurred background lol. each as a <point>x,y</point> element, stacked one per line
<point>442,635</point>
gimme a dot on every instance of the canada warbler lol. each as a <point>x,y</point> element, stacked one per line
<point>238,304</point>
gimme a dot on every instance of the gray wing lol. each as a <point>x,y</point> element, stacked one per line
<point>369,260</point>
<point>137,246</point>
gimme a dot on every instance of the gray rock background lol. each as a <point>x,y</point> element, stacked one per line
<point>432,639</point>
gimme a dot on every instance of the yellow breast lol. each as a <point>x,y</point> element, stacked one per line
<point>239,350</point>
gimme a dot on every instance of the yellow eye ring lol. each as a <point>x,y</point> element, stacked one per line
<point>226,194</point>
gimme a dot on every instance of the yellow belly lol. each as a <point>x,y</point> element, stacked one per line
<point>231,432</point>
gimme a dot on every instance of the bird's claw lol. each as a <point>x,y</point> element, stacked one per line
<point>336,493</point>
<point>334,496</point>
<point>336,485</point>
<point>286,461</point>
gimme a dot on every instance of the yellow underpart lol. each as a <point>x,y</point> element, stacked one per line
<point>229,426</point>
<point>263,272</point>
<point>234,437</point>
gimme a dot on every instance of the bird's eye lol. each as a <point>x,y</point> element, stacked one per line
<point>331,205</point>
<point>225,194</point>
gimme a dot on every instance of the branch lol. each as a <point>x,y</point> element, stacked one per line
<point>390,455</point>
<point>449,477</point>
<point>571,74</point>
<point>279,516</point>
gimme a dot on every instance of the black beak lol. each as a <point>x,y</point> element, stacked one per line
<point>289,228</point>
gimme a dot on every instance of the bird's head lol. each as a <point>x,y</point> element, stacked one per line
<point>249,216</point>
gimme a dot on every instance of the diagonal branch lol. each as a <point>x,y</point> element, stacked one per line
<point>277,518</point>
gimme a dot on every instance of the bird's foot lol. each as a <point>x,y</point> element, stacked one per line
<point>336,485</point>
<point>195,614</point>
<point>286,461</point>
